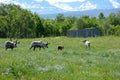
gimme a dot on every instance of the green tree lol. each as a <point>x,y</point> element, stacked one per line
<point>80,23</point>
<point>20,22</point>
<point>60,18</point>
<point>3,25</point>
<point>101,16</point>
<point>39,29</point>
<point>113,20</point>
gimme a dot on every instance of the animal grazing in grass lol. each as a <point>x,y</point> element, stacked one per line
<point>39,44</point>
<point>87,43</point>
<point>11,45</point>
<point>60,47</point>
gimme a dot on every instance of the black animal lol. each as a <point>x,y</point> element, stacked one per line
<point>39,44</point>
<point>10,45</point>
<point>60,47</point>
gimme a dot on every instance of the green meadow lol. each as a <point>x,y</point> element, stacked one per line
<point>74,62</point>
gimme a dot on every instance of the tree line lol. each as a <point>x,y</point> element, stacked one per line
<point>21,23</point>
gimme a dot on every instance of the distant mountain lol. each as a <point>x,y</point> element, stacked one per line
<point>45,8</point>
<point>76,6</point>
<point>91,13</point>
<point>68,7</point>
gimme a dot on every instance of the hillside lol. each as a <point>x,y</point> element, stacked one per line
<point>74,62</point>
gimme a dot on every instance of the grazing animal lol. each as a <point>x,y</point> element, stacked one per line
<point>39,44</point>
<point>10,44</point>
<point>87,43</point>
<point>60,47</point>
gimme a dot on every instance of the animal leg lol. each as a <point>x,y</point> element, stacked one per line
<point>43,47</point>
<point>31,47</point>
<point>34,48</point>
<point>39,48</point>
<point>11,48</point>
<point>89,45</point>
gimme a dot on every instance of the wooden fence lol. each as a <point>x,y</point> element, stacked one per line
<point>87,32</point>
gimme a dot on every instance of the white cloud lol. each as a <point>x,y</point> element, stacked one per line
<point>87,6</point>
<point>64,7</point>
<point>5,1</point>
<point>24,5</point>
<point>9,1</point>
<point>2,1</point>
<point>57,1</point>
<point>115,3</point>
<point>29,6</point>
<point>38,0</point>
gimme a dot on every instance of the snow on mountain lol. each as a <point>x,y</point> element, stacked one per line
<point>59,6</point>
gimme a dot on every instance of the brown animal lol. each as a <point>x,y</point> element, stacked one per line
<point>60,47</point>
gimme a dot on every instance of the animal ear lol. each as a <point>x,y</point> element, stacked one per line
<point>16,41</point>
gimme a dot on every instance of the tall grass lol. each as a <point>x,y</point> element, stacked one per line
<point>75,62</point>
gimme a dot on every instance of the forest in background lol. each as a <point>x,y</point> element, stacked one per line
<point>16,22</point>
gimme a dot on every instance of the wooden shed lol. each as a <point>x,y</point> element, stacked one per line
<point>87,32</point>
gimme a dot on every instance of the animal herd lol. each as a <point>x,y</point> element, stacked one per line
<point>38,44</point>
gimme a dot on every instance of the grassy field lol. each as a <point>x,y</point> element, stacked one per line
<point>75,62</point>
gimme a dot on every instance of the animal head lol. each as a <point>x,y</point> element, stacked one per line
<point>16,42</point>
<point>47,44</point>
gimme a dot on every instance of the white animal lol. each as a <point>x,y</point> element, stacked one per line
<point>87,43</point>
<point>39,44</point>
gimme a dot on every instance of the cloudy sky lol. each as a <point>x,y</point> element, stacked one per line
<point>66,5</point>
